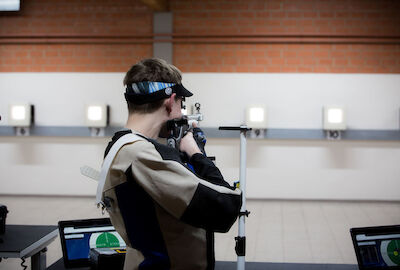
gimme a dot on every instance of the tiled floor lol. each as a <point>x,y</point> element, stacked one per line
<point>277,231</point>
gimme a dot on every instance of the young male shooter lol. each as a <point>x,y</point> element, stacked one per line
<point>165,212</point>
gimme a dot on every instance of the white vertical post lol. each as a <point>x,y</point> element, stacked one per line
<point>242,182</point>
<point>241,238</point>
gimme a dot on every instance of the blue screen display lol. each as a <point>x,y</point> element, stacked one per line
<point>78,248</point>
<point>79,240</point>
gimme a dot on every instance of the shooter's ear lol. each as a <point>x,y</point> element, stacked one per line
<point>169,103</point>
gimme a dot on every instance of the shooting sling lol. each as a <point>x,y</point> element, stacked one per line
<point>105,168</point>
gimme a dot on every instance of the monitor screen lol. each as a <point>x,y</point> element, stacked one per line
<point>79,236</point>
<point>378,248</point>
<point>79,241</point>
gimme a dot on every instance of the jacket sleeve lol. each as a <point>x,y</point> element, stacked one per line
<point>207,170</point>
<point>202,200</point>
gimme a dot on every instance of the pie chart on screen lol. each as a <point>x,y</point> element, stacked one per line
<point>106,239</point>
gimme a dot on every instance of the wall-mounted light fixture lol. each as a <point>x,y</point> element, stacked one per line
<point>97,118</point>
<point>10,5</point>
<point>21,116</point>
<point>256,118</point>
<point>334,121</point>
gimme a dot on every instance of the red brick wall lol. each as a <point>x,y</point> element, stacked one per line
<point>288,58</point>
<point>71,57</point>
<point>340,36</point>
<point>360,36</point>
<point>319,17</point>
<point>81,27</point>
<point>79,17</point>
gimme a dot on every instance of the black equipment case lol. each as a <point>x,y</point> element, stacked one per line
<point>107,258</point>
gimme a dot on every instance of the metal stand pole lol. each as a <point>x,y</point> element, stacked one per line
<point>242,180</point>
<point>241,238</point>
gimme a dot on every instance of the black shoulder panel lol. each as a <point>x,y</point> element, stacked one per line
<point>115,138</point>
<point>166,152</point>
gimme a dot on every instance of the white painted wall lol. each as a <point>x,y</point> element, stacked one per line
<point>276,169</point>
<point>296,100</point>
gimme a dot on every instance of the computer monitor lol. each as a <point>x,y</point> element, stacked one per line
<point>377,248</point>
<point>79,236</point>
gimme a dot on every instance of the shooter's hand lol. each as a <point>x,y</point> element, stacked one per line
<point>188,145</point>
<point>200,138</point>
